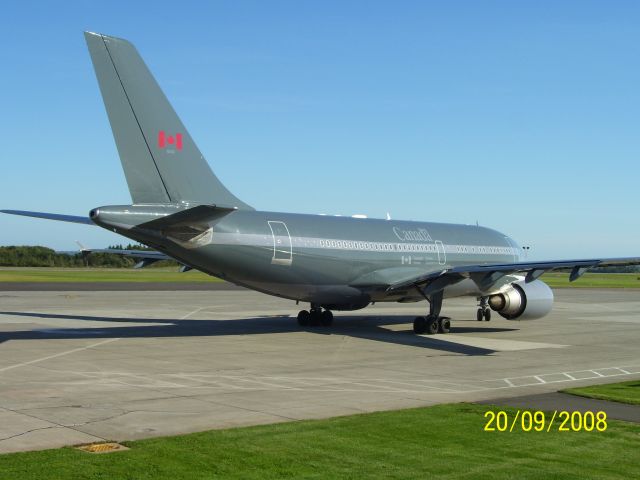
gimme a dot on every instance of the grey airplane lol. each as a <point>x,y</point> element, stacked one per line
<point>182,210</point>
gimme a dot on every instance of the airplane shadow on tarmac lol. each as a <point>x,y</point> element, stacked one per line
<point>363,327</point>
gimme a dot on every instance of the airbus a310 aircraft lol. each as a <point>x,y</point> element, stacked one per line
<point>184,212</point>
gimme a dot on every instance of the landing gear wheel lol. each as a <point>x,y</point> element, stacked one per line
<point>419,325</point>
<point>326,318</point>
<point>444,325</point>
<point>315,316</point>
<point>304,318</point>
<point>479,315</point>
<point>432,325</point>
<point>487,315</point>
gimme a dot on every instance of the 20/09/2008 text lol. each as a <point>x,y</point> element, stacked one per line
<point>539,421</point>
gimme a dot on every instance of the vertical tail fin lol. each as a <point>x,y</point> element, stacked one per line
<point>161,162</point>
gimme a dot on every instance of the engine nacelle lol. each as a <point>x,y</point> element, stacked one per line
<point>523,301</point>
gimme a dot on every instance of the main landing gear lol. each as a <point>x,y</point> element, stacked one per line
<point>432,323</point>
<point>314,317</point>
<point>484,312</point>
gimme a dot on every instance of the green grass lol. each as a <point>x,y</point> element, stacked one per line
<point>594,280</point>
<point>15,274</point>
<point>101,275</point>
<point>444,441</point>
<point>625,392</point>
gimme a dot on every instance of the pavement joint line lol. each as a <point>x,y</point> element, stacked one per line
<point>212,383</point>
<point>49,357</point>
<point>137,385</point>
<point>53,425</point>
<point>184,317</point>
<point>29,431</point>
<point>210,402</point>
<point>333,385</point>
<point>258,382</point>
<point>391,389</point>
<point>294,380</point>
<point>431,387</point>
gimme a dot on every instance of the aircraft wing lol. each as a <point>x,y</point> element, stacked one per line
<point>144,257</point>
<point>486,276</point>
<point>51,216</point>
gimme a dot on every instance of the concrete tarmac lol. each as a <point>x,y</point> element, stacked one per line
<point>113,286</point>
<point>84,366</point>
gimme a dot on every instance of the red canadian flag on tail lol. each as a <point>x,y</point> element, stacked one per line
<point>165,140</point>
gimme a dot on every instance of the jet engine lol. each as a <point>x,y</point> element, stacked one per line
<point>523,301</point>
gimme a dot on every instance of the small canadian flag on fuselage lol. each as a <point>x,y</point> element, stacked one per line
<point>165,140</point>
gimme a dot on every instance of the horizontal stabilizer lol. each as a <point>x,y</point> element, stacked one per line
<point>149,255</point>
<point>201,213</point>
<point>51,216</point>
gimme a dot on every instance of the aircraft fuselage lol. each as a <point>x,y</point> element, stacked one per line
<point>327,260</point>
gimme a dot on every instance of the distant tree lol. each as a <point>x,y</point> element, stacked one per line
<point>627,269</point>
<point>36,256</point>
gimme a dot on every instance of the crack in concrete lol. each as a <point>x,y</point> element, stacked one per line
<point>28,431</point>
<point>54,425</point>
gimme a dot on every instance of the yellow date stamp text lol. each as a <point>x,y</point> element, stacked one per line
<point>539,421</point>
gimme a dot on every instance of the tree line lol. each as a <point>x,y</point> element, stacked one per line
<point>37,256</point>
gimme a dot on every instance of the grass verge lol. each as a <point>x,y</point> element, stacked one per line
<point>444,441</point>
<point>82,275</point>
<point>624,392</point>
<point>593,280</point>
<point>26,274</point>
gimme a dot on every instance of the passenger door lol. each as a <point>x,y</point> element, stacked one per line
<point>282,247</point>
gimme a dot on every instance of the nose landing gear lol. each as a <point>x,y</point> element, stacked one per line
<point>484,312</point>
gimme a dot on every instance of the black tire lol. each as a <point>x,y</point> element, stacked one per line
<point>487,315</point>
<point>479,315</point>
<point>314,318</point>
<point>432,325</point>
<point>304,318</point>
<point>444,325</point>
<point>419,325</point>
<point>326,318</point>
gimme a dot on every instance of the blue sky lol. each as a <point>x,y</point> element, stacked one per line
<point>523,116</point>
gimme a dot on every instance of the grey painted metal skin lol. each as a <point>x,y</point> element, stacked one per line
<point>338,262</point>
<point>138,110</point>
<point>183,210</point>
